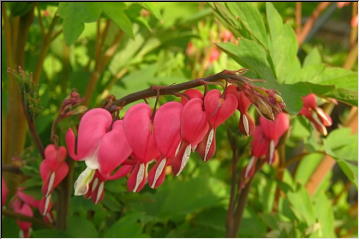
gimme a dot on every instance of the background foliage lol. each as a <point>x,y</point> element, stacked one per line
<point>119,48</point>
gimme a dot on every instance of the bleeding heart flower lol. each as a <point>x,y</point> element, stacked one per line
<point>190,94</point>
<point>246,123</point>
<point>45,206</point>
<point>4,191</point>
<point>139,132</point>
<point>273,130</point>
<point>22,204</point>
<point>53,169</point>
<point>167,138</point>
<point>94,124</point>
<point>193,128</point>
<point>319,119</point>
<point>218,108</point>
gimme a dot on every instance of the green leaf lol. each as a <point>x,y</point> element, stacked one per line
<point>302,206</point>
<point>248,15</point>
<point>313,58</point>
<point>153,8</point>
<point>283,47</point>
<point>249,54</point>
<point>48,233</point>
<point>74,15</point>
<point>127,226</point>
<point>177,198</point>
<point>325,213</point>
<point>115,11</point>
<point>350,170</point>
<point>342,144</point>
<point>81,227</point>
<point>19,8</point>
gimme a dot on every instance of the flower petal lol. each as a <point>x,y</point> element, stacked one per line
<point>114,149</point>
<point>167,128</point>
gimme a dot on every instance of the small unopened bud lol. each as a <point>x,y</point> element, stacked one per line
<point>264,109</point>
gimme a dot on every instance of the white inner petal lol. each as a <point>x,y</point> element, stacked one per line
<point>319,123</point>
<point>246,125</point>
<point>51,183</point>
<point>185,158</point>
<point>158,172</point>
<point>99,192</point>
<point>94,185</point>
<point>140,176</point>
<point>271,152</point>
<point>81,185</point>
<point>177,149</point>
<point>91,161</point>
<point>208,143</point>
<point>250,166</point>
<point>47,202</point>
<point>322,115</point>
<point>193,148</point>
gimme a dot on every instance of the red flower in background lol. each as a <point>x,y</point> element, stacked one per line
<point>265,138</point>
<point>318,118</point>
<point>53,169</point>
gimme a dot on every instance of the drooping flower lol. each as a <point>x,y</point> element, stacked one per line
<point>102,145</point>
<point>167,138</point>
<point>218,108</point>
<point>21,204</point>
<point>139,131</point>
<point>45,207</point>
<point>193,128</point>
<point>53,169</point>
<point>246,123</point>
<point>265,138</point>
<point>4,191</point>
<point>190,94</point>
<point>318,118</point>
<point>273,130</point>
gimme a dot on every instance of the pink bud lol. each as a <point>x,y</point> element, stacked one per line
<point>319,119</point>
<point>53,169</point>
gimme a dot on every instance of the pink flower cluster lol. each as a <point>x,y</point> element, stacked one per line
<point>146,142</point>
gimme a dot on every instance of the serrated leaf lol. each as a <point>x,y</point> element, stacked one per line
<point>249,16</point>
<point>283,47</point>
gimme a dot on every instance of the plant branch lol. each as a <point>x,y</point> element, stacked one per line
<point>311,21</point>
<point>172,89</point>
<point>233,188</point>
<point>26,218</point>
<point>11,169</point>
<point>42,29</point>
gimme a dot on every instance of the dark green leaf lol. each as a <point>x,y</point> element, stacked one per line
<point>81,227</point>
